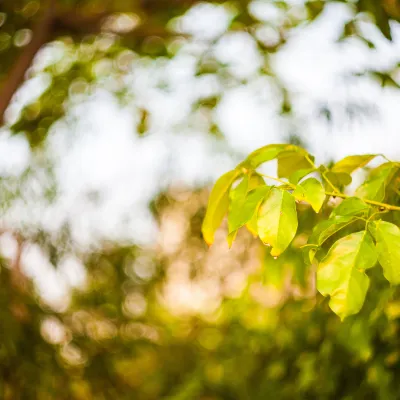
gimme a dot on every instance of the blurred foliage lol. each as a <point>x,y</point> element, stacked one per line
<point>100,42</point>
<point>132,331</point>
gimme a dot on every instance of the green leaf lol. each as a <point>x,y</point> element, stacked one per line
<point>350,206</point>
<point>387,237</point>
<point>291,161</point>
<point>217,205</point>
<point>277,220</point>
<point>300,174</point>
<point>309,251</point>
<point>246,208</point>
<point>351,163</point>
<point>266,153</point>
<point>237,197</point>
<point>231,238</point>
<point>341,273</point>
<point>311,191</point>
<point>374,188</point>
<point>325,229</point>
<point>255,181</point>
<point>252,225</point>
<point>338,179</point>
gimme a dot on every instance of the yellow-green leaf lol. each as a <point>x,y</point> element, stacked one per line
<point>231,238</point>
<point>291,161</point>
<point>277,220</point>
<point>325,229</point>
<point>300,174</point>
<point>374,188</point>
<point>249,207</point>
<point>311,191</point>
<point>351,163</point>
<point>237,197</point>
<point>252,225</point>
<point>350,206</point>
<point>341,273</point>
<point>387,237</point>
<point>266,153</point>
<point>217,205</point>
<point>255,181</point>
<point>338,179</point>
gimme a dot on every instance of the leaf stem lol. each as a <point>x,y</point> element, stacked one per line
<point>336,193</point>
<point>330,183</point>
<point>278,180</point>
<point>375,203</point>
<point>323,174</point>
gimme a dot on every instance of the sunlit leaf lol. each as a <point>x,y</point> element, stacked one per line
<point>252,225</point>
<point>300,174</point>
<point>243,214</point>
<point>311,191</point>
<point>255,181</point>
<point>309,251</point>
<point>217,205</point>
<point>341,273</point>
<point>375,187</point>
<point>291,161</point>
<point>325,229</point>
<point>277,220</point>
<point>351,163</point>
<point>338,179</point>
<point>350,206</point>
<point>266,153</point>
<point>387,237</point>
<point>231,238</point>
<point>237,197</point>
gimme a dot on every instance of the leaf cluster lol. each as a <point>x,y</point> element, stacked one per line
<point>359,233</point>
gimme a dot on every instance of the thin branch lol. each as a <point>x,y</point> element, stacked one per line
<point>278,180</point>
<point>388,207</point>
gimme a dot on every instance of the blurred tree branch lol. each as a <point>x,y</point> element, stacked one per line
<point>52,24</point>
<point>40,35</point>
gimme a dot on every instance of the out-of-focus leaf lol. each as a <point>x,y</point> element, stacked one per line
<point>290,162</point>
<point>248,208</point>
<point>309,251</point>
<point>341,273</point>
<point>252,225</point>
<point>325,229</point>
<point>375,187</point>
<point>277,220</point>
<point>338,179</point>
<point>300,174</point>
<point>255,181</point>
<point>218,205</point>
<point>351,163</point>
<point>266,153</point>
<point>231,238</point>
<point>311,191</point>
<point>237,197</point>
<point>350,206</point>
<point>387,237</point>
